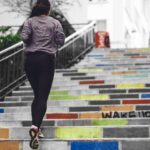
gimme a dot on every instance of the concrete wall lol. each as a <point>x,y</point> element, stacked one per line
<point>127,21</point>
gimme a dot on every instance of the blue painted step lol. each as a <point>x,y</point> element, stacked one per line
<point>94,145</point>
<point>145,95</point>
<point>1,110</point>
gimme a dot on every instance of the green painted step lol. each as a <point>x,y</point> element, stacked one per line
<point>81,97</point>
<point>110,122</point>
<point>78,132</point>
<point>59,92</point>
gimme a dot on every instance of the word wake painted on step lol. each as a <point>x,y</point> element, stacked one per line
<point>131,114</point>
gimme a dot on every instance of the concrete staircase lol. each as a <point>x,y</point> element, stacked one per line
<point>101,103</point>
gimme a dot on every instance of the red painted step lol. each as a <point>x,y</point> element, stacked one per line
<point>62,116</point>
<point>92,82</point>
<point>136,101</point>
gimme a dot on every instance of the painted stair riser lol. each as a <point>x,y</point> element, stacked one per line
<point>85,92</point>
<point>121,61</point>
<point>80,122</point>
<point>78,109</point>
<point>101,75</point>
<point>117,86</point>
<point>28,100</point>
<point>110,66</point>
<point>109,72</point>
<point>119,75</point>
<point>121,86</point>
<point>79,115</point>
<point>135,84</point>
<point>96,70</point>
<point>80,145</point>
<point>71,104</point>
<point>101,97</point>
<point>86,132</point>
<point>86,86</point>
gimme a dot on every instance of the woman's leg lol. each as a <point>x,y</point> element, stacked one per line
<point>45,79</point>
<point>40,72</point>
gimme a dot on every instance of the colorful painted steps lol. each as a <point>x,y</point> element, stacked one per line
<point>112,71</point>
<point>112,112</point>
<point>100,97</point>
<point>79,115</point>
<point>122,86</point>
<point>77,102</point>
<point>79,132</point>
<point>103,108</point>
<point>134,84</point>
<point>80,122</point>
<point>118,90</point>
<point>120,144</point>
<point>99,115</point>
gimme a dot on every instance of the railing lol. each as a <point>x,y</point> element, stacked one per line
<point>12,59</point>
<point>11,68</point>
<point>75,46</point>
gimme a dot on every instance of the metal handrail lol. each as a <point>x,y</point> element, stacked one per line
<point>12,59</point>
<point>78,33</point>
<point>11,47</point>
<point>66,40</point>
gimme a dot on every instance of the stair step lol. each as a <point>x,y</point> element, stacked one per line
<point>103,144</point>
<point>27,100</point>
<point>78,115</point>
<point>79,132</point>
<point>80,122</point>
<point>103,108</point>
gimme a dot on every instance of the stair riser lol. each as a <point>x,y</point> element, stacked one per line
<point>67,133</point>
<point>104,108</point>
<point>77,145</point>
<point>78,115</point>
<point>79,122</point>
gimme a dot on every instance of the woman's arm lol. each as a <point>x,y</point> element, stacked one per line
<point>59,35</point>
<point>26,32</point>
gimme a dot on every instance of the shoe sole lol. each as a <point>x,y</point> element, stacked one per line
<point>34,143</point>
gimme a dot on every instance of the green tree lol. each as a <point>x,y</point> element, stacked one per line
<point>7,38</point>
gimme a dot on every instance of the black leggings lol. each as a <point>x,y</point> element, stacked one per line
<point>39,68</point>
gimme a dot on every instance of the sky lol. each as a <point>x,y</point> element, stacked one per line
<point>11,18</point>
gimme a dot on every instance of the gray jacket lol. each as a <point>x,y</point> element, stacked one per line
<point>42,33</point>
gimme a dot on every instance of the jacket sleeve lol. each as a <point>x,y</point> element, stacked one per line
<point>26,32</point>
<point>59,35</point>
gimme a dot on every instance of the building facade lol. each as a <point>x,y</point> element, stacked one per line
<point>127,21</point>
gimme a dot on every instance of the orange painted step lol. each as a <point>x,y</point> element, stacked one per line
<point>90,115</point>
<point>123,72</point>
<point>4,133</point>
<point>138,56</point>
<point>118,108</point>
<point>9,145</point>
<point>92,82</point>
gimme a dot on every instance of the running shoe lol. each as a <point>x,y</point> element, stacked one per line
<point>34,142</point>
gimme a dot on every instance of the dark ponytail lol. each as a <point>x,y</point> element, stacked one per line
<point>41,7</point>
